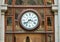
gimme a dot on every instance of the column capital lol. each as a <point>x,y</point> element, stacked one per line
<point>3,7</point>
<point>54,8</point>
<point>56,13</point>
<point>2,13</point>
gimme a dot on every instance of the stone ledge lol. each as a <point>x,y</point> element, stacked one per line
<point>54,8</point>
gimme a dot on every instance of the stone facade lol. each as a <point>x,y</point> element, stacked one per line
<point>55,8</point>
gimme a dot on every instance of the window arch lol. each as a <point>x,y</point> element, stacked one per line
<point>27,39</point>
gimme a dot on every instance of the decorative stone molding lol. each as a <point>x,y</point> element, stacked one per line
<point>3,8</point>
<point>54,8</point>
<point>55,12</point>
<point>2,13</point>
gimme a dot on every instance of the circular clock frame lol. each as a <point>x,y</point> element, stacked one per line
<point>29,10</point>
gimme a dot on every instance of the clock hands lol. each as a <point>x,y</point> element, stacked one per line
<point>25,22</point>
<point>33,21</point>
<point>28,21</point>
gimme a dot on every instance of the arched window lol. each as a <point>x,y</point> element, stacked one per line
<point>27,39</point>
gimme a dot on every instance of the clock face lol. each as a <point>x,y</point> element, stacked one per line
<point>29,20</point>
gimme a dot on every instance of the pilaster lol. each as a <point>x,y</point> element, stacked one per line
<point>2,27</point>
<point>55,10</point>
<point>3,9</point>
<point>56,27</point>
<point>59,17</point>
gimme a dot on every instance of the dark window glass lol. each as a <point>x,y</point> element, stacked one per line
<point>9,23</point>
<point>17,12</point>
<point>9,2</point>
<point>19,2</point>
<point>49,21</point>
<point>16,16</point>
<point>49,24</point>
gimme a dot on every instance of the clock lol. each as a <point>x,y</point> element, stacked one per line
<point>29,20</point>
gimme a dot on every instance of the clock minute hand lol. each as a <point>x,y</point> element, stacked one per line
<point>33,21</point>
<point>25,22</point>
<point>28,21</point>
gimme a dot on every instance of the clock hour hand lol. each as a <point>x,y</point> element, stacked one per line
<point>25,22</point>
<point>29,20</point>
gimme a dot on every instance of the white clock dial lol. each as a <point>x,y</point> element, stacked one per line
<point>29,20</point>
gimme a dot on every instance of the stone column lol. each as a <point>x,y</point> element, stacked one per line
<point>55,9</point>
<point>55,2</point>
<point>0,24</point>
<point>2,28</point>
<point>2,2</point>
<point>3,8</point>
<point>59,17</point>
<point>56,27</point>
